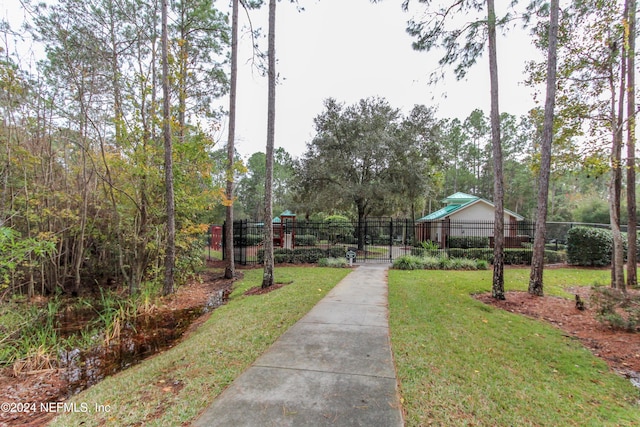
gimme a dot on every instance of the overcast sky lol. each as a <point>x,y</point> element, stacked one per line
<point>352,49</point>
<point>349,50</point>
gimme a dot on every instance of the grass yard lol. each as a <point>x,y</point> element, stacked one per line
<point>461,362</point>
<point>172,388</point>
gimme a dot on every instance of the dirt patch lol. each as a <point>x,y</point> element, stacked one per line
<point>29,394</point>
<point>621,350</point>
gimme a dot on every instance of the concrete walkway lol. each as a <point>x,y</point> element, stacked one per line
<point>332,368</point>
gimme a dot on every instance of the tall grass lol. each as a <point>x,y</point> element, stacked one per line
<point>461,362</point>
<point>30,339</point>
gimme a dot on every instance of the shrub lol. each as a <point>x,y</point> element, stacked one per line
<point>467,242</point>
<point>253,239</point>
<point>589,246</point>
<point>485,254</point>
<point>554,257</point>
<point>463,264</point>
<point>306,240</point>
<point>432,263</point>
<point>616,309</point>
<point>426,248</point>
<point>482,264</point>
<point>517,256</point>
<point>333,262</point>
<point>408,262</point>
<point>302,255</point>
<point>444,263</point>
<point>338,228</point>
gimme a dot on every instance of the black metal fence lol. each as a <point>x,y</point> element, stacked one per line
<point>384,239</point>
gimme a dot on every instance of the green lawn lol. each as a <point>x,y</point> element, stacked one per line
<point>172,388</point>
<point>461,362</point>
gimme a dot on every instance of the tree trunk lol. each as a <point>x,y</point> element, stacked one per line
<point>498,185</point>
<point>632,258</point>
<point>267,277</point>
<point>170,255</point>
<point>615,185</point>
<point>537,262</point>
<point>230,268</point>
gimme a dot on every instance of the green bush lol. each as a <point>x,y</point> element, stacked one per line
<point>333,262</point>
<point>306,240</point>
<point>482,264</point>
<point>467,242</point>
<point>589,246</point>
<point>382,239</point>
<point>253,239</point>
<point>517,256</point>
<point>616,308</point>
<point>408,262</point>
<point>485,254</point>
<point>412,262</point>
<point>511,256</point>
<point>463,264</point>
<point>554,257</point>
<point>432,263</point>
<point>302,255</point>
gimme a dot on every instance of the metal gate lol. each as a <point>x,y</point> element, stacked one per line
<point>372,239</point>
<point>384,239</point>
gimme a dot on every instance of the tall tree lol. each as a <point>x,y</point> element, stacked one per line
<point>268,277</point>
<point>170,249</point>
<point>537,262</point>
<point>347,164</point>
<point>630,36</point>
<point>497,290</point>
<point>433,30</point>
<point>229,271</point>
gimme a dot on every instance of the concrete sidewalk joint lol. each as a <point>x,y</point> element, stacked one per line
<point>333,367</point>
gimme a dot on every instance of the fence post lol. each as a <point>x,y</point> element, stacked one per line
<point>224,238</point>
<point>390,239</point>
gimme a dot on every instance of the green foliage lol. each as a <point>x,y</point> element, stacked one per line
<point>337,228</point>
<point>306,240</point>
<point>589,246</point>
<point>426,248</point>
<point>460,362</point>
<point>302,255</point>
<point>253,239</point>
<point>29,333</point>
<point>474,253</point>
<point>333,262</point>
<point>409,262</point>
<point>616,309</point>
<point>17,252</point>
<point>412,262</point>
<point>368,159</point>
<point>467,242</point>
<point>512,256</point>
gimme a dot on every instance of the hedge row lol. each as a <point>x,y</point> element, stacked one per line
<point>467,242</point>
<point>302,255</point>
<point>511,256</point>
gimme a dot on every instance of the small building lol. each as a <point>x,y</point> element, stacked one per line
<point>467,216</point>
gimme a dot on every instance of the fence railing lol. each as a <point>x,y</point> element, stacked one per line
<point>384,239</point>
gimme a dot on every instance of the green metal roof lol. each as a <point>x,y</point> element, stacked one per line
<point>457,201</point>
<point>441,213</point>
<point>459,198</point>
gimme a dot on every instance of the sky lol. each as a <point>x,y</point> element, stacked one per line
<point>350,50</point>
<point>353,49</point>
